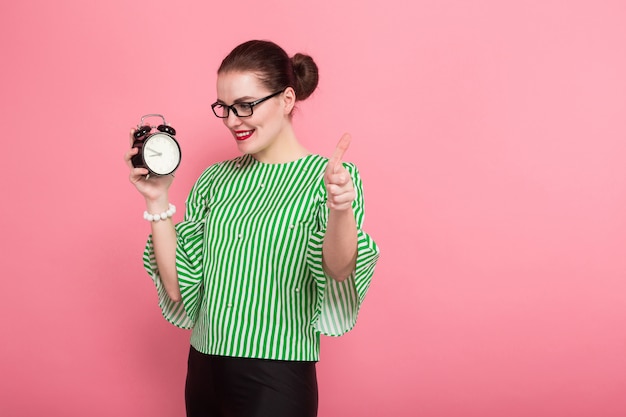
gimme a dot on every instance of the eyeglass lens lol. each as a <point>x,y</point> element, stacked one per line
<point>241,109</point>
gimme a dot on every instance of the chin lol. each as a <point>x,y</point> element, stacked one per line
<point>247,147</point>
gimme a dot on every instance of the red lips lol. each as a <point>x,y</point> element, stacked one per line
<point>243,134</point>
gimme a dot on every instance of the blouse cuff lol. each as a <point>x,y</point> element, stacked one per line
<point>189,249</point>
<point>338,303</point>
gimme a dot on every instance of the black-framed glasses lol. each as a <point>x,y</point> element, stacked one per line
<point>222,110</point>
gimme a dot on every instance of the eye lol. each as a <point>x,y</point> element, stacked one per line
<point>243,109</point>
<point>220,109</point>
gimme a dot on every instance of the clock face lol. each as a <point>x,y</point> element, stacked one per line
<point>161,154</point>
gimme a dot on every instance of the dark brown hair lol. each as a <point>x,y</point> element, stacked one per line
<point>274,67</point>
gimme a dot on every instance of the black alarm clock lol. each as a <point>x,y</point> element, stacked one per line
<point>159,152</point>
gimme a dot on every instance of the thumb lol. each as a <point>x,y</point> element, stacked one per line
<point>342,146</point>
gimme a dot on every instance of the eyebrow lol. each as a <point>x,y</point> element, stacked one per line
<point>245,99</point>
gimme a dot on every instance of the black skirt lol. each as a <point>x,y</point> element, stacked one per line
<point>222,386</point>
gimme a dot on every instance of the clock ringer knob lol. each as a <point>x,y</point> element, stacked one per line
<point>142,131</point>
<point>167,129</point>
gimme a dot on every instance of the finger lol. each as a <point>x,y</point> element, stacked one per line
<point>340,177</point>
<point>137,174</point>
<point>337,188</point>
<point>341,201</point>
<point>340,150</point>
<point>131,137</point>
<point>129,155</point>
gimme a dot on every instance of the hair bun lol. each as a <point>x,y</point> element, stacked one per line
<point>307,77</point>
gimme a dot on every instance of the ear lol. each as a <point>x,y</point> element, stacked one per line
<point>289,100</point>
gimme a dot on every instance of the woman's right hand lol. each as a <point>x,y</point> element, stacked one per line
<point>154,188</point>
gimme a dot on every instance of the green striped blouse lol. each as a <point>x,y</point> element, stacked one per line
<point>249,261</point>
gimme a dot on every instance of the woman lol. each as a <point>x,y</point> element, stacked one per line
<point>270,254</point>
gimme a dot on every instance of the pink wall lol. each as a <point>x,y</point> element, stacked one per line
<point>490,136</point>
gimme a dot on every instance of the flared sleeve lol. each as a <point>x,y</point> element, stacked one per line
<point>338,303</point>
<point>190,235</point>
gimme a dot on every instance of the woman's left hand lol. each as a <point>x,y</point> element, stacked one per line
<point>337,179</point>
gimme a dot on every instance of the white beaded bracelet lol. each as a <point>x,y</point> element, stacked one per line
<point>162,216</point>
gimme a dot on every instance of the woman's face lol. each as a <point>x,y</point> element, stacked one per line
<point>262,133</point>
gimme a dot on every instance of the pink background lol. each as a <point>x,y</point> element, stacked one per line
<point>489,134</point>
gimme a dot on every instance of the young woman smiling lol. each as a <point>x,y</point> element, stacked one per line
<point>270,254</point>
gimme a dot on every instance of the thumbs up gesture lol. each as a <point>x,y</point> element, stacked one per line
<point>339,187</point>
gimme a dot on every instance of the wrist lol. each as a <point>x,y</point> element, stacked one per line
<point>155,217</point>
<point>341,211</point>
<point>157,205</point>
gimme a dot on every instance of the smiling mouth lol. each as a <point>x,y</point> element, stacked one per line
<point>243,134</point>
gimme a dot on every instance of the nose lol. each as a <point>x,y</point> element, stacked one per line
<point>232,120</point>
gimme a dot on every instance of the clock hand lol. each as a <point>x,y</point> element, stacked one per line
<point>155,152</point>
